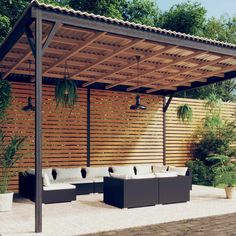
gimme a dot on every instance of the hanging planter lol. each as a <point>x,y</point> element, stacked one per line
<point>184,113</point>
<point>66,91</point>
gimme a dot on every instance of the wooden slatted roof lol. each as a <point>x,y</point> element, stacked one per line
<point>97,53</point>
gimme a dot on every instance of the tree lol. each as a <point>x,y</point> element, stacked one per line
<point>224,90</point>
<point>109,8</point>
<point>186,17</point>
<point>4,27</point>
<point>223,29</point>
<point>142,12</point>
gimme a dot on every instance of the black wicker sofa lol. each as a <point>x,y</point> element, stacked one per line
<point>143,188</point>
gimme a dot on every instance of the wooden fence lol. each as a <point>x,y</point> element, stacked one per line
<point>117,134</point>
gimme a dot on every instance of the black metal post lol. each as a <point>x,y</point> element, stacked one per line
<point>164,130</point>
<point>88,126</point>
<point>38,123</point>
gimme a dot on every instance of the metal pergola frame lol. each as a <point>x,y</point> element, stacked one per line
<point>37,15</point>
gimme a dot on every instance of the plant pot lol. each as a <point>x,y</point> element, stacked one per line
<point>6,200</point>
<point>229,192</point>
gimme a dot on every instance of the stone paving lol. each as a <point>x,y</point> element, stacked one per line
<point>224,225</point>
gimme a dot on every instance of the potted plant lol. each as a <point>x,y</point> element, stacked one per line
<point>225,173</point>
<point>184,113</point>
<point>66,90</point>
<point>8,159</point>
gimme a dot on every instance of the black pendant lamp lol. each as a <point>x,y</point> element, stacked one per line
<point>137,105</point>
<point>29,106</point>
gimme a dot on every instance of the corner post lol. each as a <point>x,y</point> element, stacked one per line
<point>88,126</point>
<point>164,130</point>
<point>38,122</point>
<point>164,110</point>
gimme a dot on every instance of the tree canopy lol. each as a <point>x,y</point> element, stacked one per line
<point>189,17</point>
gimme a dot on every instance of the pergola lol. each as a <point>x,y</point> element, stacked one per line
<point>101,54</point>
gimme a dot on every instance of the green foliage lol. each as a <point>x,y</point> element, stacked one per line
<point>216,137</point>
<point>5,97</point>
<point>222,29</point>
<point>184,113</point>
<point>4,27</point>
<point>201,173</point>
<point>8,158</point>
<point>224,170</point>
<point>213,102</point>
<point>66,92</point>
<point>185,17</point>
<point>142,12</point>
<point>110,8</point>
<point>61,3</point>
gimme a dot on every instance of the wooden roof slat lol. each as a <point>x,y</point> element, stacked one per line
<point>75,50</point>
<point>162,66</point>
<point>133,63</point>
<point>181,72</point>
<point>194,79</point>
<point>101,60</point>
<point>127,66</point>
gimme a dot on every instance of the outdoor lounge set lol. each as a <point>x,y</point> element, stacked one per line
<point>122,186</point>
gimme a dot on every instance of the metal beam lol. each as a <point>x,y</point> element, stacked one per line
<point>38,123</point>
<point>164,130</point>
<point>52,33</point>
<point>132,32</point>
<point>88,126</point>
<point>30,38</point>
<point>166,106</point>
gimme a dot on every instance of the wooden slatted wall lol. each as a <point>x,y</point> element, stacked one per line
<point>180,136</point>
<point>122,136</point>
<point>118,135</point>
<point>64,131</point>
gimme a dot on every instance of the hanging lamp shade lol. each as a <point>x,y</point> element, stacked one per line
<point>137,105</point>
<point>29,106</point>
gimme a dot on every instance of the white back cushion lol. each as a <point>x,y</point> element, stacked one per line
<point>179,170</point>
<point>47,171</point>
<point>68,173</point>
<point>121,176</point>
<point>144,176</point>
<point>123,170</point>
<point>159,168</point>
<point>46,181</point>
<point>166,174</point>
<point>94,172</point>
<point>143,169</point>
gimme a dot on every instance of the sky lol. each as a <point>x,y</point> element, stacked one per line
<point>214,8</point>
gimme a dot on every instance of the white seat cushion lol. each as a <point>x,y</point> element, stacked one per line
<point>179,170</point>
<point>121,176</point>
<point>98,180</point>
<point>158,168</point>
<point>58,186</point>
<point>123,170</point>
<point>46,181</point>
<point>94,172</point>
<point>166,174</point>
<point>76,181</point>
<point>144,169</point>
<point>145,176</point>
<point>68,173</point>
<point>47,171</point>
